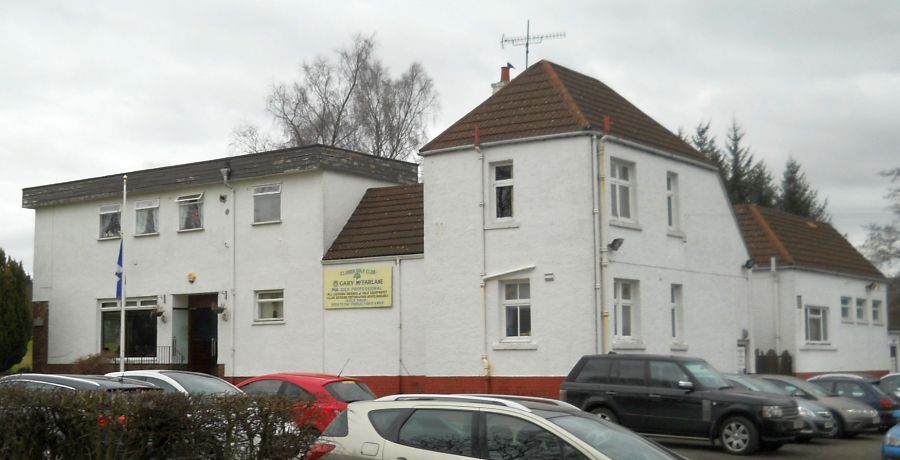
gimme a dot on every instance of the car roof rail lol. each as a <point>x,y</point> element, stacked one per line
<point>536,399</point>
<point>456,397</point>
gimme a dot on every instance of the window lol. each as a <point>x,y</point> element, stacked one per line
<point>146,215</point>
<point>621,189</point>
<point>110,226</point>
<point>503,190</point>
<point>267,204</point>
<point>676,311</point>
<point>845,308</point>
<point>876,311</point>
<point>624,308</point>
<point>513,438</point>
<point>860,309</point>
<point>816,324</point>
<point>270,305</point>
<point>446,431</point>
<point>267,387</point>
<point>666,374</point>
<point>140,327</point>
<point>517,305</point>
<point>190,212</point>
<point>672,200</point>
<point>631,372</point>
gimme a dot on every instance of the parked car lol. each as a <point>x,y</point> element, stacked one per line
<point>851,417</point>
<point>173,381</point>
<point>818,421</point>
<point>75,383</point>
<point>496,427</point>
<point>863,389</point>
<point>324,395</point>
<point>890,384</point>
<point>680,396</point>
<point>890,447</point>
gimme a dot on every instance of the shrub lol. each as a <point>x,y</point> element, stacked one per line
<point>97,363</point>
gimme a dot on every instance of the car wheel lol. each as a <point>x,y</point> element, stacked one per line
<point>605,414</point>
<point>838,430</point>
<point>738,436</point>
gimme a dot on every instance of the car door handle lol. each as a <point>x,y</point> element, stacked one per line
<point>611,393</point>
<point>654,396</point>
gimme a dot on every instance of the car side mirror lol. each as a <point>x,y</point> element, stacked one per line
<point>685,385</point>
<point>799,394</point>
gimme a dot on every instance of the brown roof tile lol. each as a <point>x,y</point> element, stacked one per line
<point>387,222</point>
<point>799,241</point>
<point>550,99</point>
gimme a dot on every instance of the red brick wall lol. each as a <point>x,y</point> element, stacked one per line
<point>41,323</point>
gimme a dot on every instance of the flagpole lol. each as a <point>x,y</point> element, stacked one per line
<point>122,300</point>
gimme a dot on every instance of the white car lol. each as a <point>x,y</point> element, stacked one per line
<point>495,427</point>
<point>173,381</point>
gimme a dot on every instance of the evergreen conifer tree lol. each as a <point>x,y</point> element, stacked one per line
<point>15,313</point>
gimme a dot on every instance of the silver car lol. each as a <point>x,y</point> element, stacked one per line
<point>185,382</point>
<point>818,421</point>
<point>445,427</point>
<point>851,417</point>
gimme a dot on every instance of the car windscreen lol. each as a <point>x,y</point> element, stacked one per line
<point>707,375</point>
<point>348,391</point>
<point>808,387</point>
<point>761,385</point>
<point>613,441</point>
<point>202,384</point>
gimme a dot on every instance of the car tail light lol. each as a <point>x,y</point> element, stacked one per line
<point>319,450</point>
<point>886,403</point>
<point>562,395</point>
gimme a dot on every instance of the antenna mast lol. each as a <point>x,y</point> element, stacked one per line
<point>528,39</point>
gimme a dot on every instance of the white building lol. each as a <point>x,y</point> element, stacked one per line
<point>814,296</point>
<point>555,220</point>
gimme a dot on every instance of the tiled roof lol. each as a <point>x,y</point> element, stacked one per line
<point>388,221</point>
<point>799,241</point>
<point>550,99</point>
<point>285,161</point>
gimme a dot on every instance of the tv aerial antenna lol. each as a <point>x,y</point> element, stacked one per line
<point>528,39</point>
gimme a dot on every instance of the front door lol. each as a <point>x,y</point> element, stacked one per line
<point>202,333</point>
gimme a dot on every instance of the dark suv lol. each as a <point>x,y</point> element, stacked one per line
<point>680,396</point>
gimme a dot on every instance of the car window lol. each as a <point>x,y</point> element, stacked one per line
<point>850,389</point>
<point>511,438</point>
<point>166,386</point>
<point>707,375</point>
<point>384,421</point>
<point>446,431</point>
<point>666,374</point>
<point>262,387</point>
<point>612,440</point>
<point>631,372</point>
<point>349,391</point>
<point>202,383</point>
<point>293,390</point>
<point>594,371</point>
<point>339,427</point>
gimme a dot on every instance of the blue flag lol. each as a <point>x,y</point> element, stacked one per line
<point>119,273</point>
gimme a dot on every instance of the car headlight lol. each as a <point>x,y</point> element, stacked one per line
<point>804,412</point>
<point>892,439</point>
<point>862,412</point>
<point>771,412</point>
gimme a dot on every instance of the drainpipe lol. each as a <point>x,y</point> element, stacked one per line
<point>399,324</point>
<point>776,296</point>
<point>601,250</point>
<point>226,174</point>
<point>485,361</point>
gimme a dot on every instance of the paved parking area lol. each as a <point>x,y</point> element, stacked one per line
<point>863,447</point>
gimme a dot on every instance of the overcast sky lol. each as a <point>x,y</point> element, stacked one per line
<point>106,87</point>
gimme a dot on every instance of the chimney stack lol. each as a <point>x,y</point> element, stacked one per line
<point>504,78</point>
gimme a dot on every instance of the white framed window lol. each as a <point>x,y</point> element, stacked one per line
<point>517,308</point>
<point>845,308</point>
<point>860,310</point>
<point>876,311</point>
<point>267,204</point>
<point>110,221</point>
<point>140,327</point>
<point>270,305</point>
<point>621,190</point>
<point>190,212</point>
<point>625,308</point>
<point>502,185</point>
<point>672,216</point>
<point>676,312</point>
<point>146,215</point>
<point>816,324</point>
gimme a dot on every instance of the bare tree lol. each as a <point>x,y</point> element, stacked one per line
<point>353,103</point>
<point>882,244</point>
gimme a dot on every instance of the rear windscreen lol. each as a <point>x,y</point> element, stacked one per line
<point>349,391</point>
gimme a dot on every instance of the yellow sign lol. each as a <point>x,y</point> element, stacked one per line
<point>367,287</point>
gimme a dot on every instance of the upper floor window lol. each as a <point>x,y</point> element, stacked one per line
<point>625,308</point>
<point>517,308</point>
<point>845,308</point>
<point>860,309</point>
<point>676,311</point>
<point>270,305</point>
<point>146,214</point>
<point>110,218</point>
<point>876,311</point>
<point>190,212</point>
<point>672,200</point>
<point>816,324</point>
<point>502,182</point>
<point>267,203</point>
<point>621,190</point>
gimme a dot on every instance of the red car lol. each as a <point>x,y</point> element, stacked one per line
<point>330,394</point>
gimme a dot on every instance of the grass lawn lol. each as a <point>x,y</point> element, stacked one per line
<point>26,361</point>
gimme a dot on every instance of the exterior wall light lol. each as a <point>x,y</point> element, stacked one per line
<point>616,244</point>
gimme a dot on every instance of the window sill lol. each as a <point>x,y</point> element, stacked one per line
<point>862,323</point>
<point>268,323</point>
<point>678,346</point>
<point>676,234</point>
<point>108,238</point>
<point>501,345</point>
<point>878,323</point>
<point>499,225</point>
<point>146,234</point>
<point>625,344</point>
<point>625,224</point>
<point>846,321</point>
<point>268,222</point>
<point>818,346</point>
<point>189,230</point>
